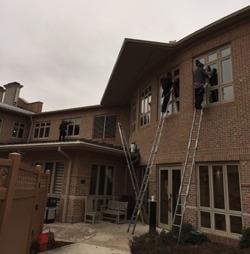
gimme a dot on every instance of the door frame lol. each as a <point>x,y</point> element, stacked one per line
<point>170,170</point>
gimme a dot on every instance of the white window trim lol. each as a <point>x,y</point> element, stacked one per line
<point>220,85</point>
<point>18,129</point>
<point>226,212</point>
<point>39,129</point>
<point>148,113</point>
<point>172,101</point>
<point>74,120</point>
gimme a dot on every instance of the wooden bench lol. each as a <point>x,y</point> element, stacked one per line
<point>116,211</point>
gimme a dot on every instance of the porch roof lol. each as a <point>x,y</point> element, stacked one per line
<point>76,144</point>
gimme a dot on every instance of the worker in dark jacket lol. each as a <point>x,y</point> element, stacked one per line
<point>166,84</point>
<point>62,130</point>
<point>200,77</point>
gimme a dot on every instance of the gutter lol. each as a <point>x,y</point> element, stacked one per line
<point>66,199</point>
<point>64,144</point>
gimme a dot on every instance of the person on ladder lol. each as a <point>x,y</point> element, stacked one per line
<point>166,84</point>
<point>200,78</point>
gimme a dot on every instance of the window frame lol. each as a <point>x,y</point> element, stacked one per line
<point>172,102</point>
<point>20,126</point>
<point>211,210</point>
<point>221,85</point>
<point>104,126</point>
<point>46,126</point>
<point>145,99</point>
<point>75,122</point>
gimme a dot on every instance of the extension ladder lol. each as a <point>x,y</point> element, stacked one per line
<point>187,173</point>
<point>130,164</point>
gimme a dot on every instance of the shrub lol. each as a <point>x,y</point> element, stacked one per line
<point>190,235</point>
<point>245,239</point>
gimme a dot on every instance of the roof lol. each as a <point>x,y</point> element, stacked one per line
<point>70,109</point>
<point>87,145</point>
<point>14,109</point>
<point>138,57</point>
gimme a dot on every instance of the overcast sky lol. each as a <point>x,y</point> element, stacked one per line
<point>63,51</point>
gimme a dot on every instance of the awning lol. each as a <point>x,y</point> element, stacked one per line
<point>67,145</point>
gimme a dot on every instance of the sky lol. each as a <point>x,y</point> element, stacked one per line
<point>63,51</point>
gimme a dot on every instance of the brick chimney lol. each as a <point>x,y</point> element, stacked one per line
<point>1,93</point>
<point>12,93</point>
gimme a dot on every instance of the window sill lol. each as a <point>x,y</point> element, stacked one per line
<point>216,104</point>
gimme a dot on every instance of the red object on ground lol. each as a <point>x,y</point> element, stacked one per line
<point>43,239</point>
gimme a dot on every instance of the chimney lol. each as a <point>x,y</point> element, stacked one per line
<point>1,93</point>
<point>12,91</point>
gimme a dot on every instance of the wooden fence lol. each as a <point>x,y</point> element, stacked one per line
<point>23,197</point>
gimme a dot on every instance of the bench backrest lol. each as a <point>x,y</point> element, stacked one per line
<point>117,205</point>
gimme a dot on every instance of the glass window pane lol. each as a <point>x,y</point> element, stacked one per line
<point>227,93</point>
<point>205,220</point>
<point>233,188</point>
<point>98,127</point>
<point>70,130</point>
<point>164,197</point>
<point>226,69</point>
<point>20,133</point>
<point>235,224</point>
<point>220,221</point>
<point>77,129</point>
<point>204,186</point>
<point>101,180</point>
<point>213,80</point>
<point>109,175</point>
<point>214,96</point>
<point>47,132</point>
<point>225,52</point>
<point>41,133</point>
<point>36,133</point>
<point>218,186</point>
<point>212,57</point>
<point>93,180</point>
<point>110,127</point>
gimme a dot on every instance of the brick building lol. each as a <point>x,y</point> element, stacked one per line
<point>91,162</point>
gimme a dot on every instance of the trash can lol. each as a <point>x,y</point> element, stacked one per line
<point>50,211</point>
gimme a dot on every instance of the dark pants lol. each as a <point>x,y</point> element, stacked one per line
<point>199,92</point>
<point>62,135</point>
<point>165,103</point>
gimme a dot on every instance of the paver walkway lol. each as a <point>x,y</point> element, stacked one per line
<point>99,238</point>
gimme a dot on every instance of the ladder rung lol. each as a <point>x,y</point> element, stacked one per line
<point>176,225</point>
<point>178,214</point>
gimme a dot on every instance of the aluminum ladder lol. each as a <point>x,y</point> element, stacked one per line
<point>130,164</point>
<point>187,173</point>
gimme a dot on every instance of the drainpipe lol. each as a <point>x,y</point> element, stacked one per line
<point>31,129</point>
<point>66,197</point>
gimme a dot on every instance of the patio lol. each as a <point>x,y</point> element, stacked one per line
<point>98,238</point>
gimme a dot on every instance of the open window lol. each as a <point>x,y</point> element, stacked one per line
<point>73,127</point>
<point>174,100</point>
<point>220,82</point>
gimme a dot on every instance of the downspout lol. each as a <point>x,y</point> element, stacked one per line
<point>66,197</point>
<point>30,130</point>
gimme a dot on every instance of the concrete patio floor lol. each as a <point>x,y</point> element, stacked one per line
<point>104,237</point>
